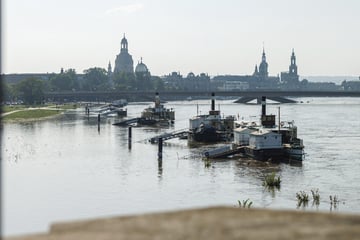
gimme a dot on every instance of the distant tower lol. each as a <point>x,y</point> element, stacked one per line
<point>263,67</point>
<point>109,69</point>
<point>293,67</point>
<point>109,74</point>
<point>124,61</point>
<point>291,78</point>
<point>256,71</point>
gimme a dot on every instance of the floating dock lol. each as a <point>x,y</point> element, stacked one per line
<point>223,152</point>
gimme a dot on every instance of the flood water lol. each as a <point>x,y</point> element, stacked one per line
<point>64,169</point>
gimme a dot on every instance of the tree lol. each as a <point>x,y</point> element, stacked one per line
<point>8,91</point>
<point>65,80</point>
<point>96,78</point>
<point>158,83</point>
<point>304,84</point>
<point>143,81</point>
<point>124,81</point>
<point>31,90</point>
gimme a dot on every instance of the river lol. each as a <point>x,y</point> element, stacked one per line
<point>64,169</point>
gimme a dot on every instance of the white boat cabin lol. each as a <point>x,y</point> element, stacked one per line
<point>265,140</point>
<point>242,136</point>
<point>195,122</point>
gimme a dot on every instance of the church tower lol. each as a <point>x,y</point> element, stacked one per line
<point>256,71</point>
<point>293,67</point>
<point>290,79</point>
<point>263,68</point>
<point>109,69</point>
<point>109,75</point>
<point>124,61</point>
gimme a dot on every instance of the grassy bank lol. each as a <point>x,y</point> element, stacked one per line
<point>31,114</point>
<point>10,108</point>
<point>67,106</point>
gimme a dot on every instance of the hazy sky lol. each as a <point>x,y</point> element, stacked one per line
<point>216,37</point>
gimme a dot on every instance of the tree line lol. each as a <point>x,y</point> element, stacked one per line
<point>32,90</point>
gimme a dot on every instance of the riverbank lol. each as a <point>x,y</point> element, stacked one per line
<point>25,113</point>
<point>211,223</point>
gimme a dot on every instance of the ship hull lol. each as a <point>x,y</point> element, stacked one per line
<point>273,155</point>
<point>205,134</point>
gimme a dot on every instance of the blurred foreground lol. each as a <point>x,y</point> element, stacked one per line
<point>211,223</point>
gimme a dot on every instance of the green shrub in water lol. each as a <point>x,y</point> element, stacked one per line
<point>272,181</point>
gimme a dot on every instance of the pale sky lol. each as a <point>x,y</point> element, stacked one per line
<point>211,36</point>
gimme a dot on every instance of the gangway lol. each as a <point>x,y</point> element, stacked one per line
<point>170,135</point>
<point>127,122</point>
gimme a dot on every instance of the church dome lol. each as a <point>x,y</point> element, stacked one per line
<point>141,67</point>
<point>191,75</point>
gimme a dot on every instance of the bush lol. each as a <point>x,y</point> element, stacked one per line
<point>272,181</point>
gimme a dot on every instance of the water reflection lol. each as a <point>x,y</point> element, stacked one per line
<point>160,168</point>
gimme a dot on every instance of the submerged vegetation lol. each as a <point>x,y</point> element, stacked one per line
<point>316,196</point>
<point>302,198</point>
<point>334,201</point>
<point>245,203</point>
<point>271,180</point>
<point>207,163</point>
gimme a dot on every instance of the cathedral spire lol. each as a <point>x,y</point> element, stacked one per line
<point>263,67</point>
<point>109,67</point>
<point>293,67</point>
<point>256,71</point>
<point>263,55</point>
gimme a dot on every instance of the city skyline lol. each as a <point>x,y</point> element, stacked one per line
<point>224,37</point>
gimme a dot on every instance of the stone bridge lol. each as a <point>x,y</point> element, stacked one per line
<point>276,95</point>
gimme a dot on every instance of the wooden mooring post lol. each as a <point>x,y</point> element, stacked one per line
<point>98,122</point>
<point>87,112</point>
<point>160,148</point>
<point>129,136</point>
<point>160,167</point>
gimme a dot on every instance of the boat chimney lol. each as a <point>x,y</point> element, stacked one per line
<point>212,101</point>
<point>263,106</point>
<point>267,121</point>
